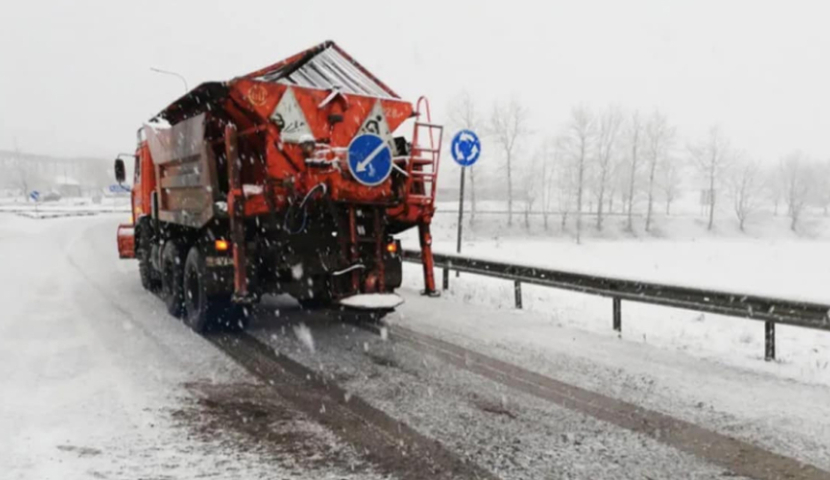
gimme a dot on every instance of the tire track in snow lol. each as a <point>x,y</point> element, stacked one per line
<point>740,457</point>
<point>389,444</point>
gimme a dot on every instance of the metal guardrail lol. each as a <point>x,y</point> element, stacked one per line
<point>735,304</point>
<point>536,213</point>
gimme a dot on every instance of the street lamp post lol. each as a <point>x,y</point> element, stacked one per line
<point>167,72</point>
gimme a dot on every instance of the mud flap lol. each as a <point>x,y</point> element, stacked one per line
<point>126,241</point>
<point>372,301</point>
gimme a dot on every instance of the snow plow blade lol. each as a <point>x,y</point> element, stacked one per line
<point>372,301</point>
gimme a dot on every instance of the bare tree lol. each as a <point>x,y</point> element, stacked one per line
<point>745,184</point>
<point>508,124</point>
<point>616,182</point>
<point>620,180</point>
<point>712,157</point>
<point>607,135</point>
<point>659,140</point>
<point>531,186</point>
<point>22,178</point>
<point>579,135</point>
<point>635,132</point>
<point>773,186</point>
<point>23,173</point>
<point>821,192</point>
<point>795,176</point>
<point>549,155</point>
<point>462,114</point>
<point>670,179</point>
<point>565,178</point>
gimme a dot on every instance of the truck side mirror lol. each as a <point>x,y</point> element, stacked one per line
<point>120,172</point>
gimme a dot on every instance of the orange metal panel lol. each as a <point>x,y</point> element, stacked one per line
<point>126,241</point>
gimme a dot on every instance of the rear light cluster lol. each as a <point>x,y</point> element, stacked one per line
<point>221,245</point>
<point>393,247</point>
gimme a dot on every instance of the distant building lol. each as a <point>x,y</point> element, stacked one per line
<point>68,177</point>
<point>67,187</point>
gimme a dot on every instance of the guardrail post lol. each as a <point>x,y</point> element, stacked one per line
<point>617,314</point>
<point>769,341</point>
<point>517,289</point>
<point>446,285</point>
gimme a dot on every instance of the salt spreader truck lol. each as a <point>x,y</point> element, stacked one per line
<point>291,179</point>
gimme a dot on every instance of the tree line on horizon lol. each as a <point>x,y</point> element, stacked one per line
<point>611,158</point>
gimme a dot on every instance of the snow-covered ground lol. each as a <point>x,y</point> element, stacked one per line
<point>754,404</point>
<point>510,433</point>
<point>775,262</point>
<point>71,207</point>
<point>98,381</point>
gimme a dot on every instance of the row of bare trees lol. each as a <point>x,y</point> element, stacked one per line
<point>18,174</point>
<point>599,157</point>
<point>606,154</point>
<point>796,182</point>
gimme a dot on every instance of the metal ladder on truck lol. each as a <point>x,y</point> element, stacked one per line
<point>365,223</point>
<point>365,227</point>
<point>422,171</point>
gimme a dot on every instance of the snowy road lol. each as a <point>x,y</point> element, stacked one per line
<point>99,382</point>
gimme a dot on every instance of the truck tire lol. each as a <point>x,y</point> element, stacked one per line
<point>149,277</point>
<point>172,273</point>
<point>202,311</point>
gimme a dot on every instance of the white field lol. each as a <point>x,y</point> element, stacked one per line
<point>67,207</point>
<point>768,260</point>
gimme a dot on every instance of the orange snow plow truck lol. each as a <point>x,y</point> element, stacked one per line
<point>291,179</point>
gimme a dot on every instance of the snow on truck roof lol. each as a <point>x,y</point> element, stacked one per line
<point>325,66</point>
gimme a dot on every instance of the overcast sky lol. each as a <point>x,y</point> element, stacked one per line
<point>75,75</point>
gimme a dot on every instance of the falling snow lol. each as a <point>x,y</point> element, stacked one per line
<point>297,271</point>
<point>303,334</point>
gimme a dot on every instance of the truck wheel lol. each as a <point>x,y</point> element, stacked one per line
<point>203,312</point>
<point>172,273</point>
<point>149,277</point>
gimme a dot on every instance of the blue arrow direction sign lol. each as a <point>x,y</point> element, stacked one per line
<point>370,159</point>
<point>119,189</point>
<point>34,195</point>
<point>465,148</point>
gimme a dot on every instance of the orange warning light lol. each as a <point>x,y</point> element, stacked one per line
<point>222,245</point>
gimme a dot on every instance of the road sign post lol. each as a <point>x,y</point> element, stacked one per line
<point>460,217</point>
<point>465,149</point>
<point>460,210</point>
<point>35,196</point>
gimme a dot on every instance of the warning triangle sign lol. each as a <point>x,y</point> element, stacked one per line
<point>290,119</point>
<point>376,123</point>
